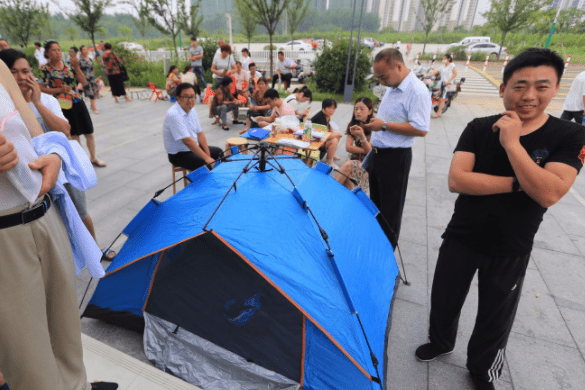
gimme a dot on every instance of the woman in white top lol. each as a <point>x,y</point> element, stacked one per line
<point>448,73</point>
<point>188,76</point>
<point>222,64</point>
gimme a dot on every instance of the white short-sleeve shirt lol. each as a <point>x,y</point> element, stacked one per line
<point>409,102</point>
<point>574,100</point>
<point>9,196</point>
<point>177,126</point>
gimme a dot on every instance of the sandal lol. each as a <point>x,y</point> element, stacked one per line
<point>217,122</point>
<point>98,163</point>
<point>104,386</point>
<point>108,254</point>
<point>237,122</point>
<point>95,111</point>
<point>225,127</point>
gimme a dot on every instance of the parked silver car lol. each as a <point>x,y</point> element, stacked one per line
<point>485,47</point>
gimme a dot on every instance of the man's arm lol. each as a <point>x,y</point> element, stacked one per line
<point>406,128</point>
<point>545,185</point>
<point>202,140</point>
<point>463,180</point>
<point>195,148</point>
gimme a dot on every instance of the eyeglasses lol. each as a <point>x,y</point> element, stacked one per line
<point>188,97</point>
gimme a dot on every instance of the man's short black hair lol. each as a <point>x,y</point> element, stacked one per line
<point>251,64</point>
<point>226,81</point>
<point>328,103</point>
<point>534,57</point>
<point>280,52</point>
<point>193,38</point>
<point>183,86</point>
<point>9,56</point>
<point>271,94</point>
<point>38,44</point>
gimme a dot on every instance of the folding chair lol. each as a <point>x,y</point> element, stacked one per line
<point>158,92</point>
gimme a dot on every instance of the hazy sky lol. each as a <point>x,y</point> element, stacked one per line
<point>66,6</point>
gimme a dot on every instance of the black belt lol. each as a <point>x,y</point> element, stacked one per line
<point>27,215</point>
<point>389,150</point>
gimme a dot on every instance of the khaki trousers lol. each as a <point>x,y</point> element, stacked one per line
<point>40,330</point>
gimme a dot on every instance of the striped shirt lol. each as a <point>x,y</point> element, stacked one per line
<point>409,102</point>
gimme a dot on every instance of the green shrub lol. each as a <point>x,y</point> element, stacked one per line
<point>330,68</point>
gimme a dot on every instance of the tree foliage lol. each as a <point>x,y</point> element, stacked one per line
<point>330,68</point>
<point>247,24</point>
<point>267,13</point>
<point>432,12</point>
<point>22,19</point>
<point>71,33</point>
<point>88,15</point>
<point>164,16</point>
<point>511,15</point>
<point>296,12</point>
<point>190,23</point>
<point>141,22</point>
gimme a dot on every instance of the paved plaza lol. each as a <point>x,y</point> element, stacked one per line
<point>547,345</point>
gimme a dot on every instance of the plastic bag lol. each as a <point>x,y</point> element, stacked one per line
<point>289,122</point>
<point>25,180</point>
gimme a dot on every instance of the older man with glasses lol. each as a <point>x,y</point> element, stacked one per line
<point>183,136</point>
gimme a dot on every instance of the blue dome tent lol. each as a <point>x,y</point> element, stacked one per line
<point>260,274</point>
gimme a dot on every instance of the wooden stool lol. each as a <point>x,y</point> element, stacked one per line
<point>236,141</point>
<point>175,170</point>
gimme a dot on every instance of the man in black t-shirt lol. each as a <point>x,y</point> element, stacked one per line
<point>508,169</point>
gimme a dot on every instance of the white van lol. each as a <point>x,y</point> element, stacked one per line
<point>469,41</point>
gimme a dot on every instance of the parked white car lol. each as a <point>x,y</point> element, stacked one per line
<point>296,45</point>
<point>132,46</point>
<point>487,48</point>
<point>369,42</point>
<point>321,42</point>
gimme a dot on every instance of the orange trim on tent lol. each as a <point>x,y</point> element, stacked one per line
<point>303,355</point>
<point>152,280</point>
<point>150,254</point>
<point>298,307</point>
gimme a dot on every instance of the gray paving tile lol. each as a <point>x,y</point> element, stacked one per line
<point>552,237</point>
<point>438,150</point>
<point>415,264</point>
<point>579,242</point>
<point>538,316</point>
<point>571,218</point>
<point>416,193</point>
<point>110,184</point>
<point>414,223</point>
<point>409,329</point>
<point>440,202</point>
<point>538,364</point>
<point>575,320</point>
<point>444,376</point>
<point>438,165</point>
<point>563,275</point>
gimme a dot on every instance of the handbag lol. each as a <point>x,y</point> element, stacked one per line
<point>124,73</point>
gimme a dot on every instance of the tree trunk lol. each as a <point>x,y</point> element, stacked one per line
<point>271,61</point>
<point>504,33</point>
<point>175,45</point>
<point>425,45</point>
<point>93,44</point>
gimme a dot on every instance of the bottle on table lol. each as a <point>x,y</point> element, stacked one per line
<point>307,131</point>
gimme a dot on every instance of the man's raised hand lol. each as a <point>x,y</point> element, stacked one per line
<point>510,128</point>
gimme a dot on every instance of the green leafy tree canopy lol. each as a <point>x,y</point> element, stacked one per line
<point>432,12</point>
<point>21,19</point>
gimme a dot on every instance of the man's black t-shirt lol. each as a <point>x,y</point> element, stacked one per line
<point>507,223</point>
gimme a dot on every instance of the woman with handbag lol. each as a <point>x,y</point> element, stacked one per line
<point>63,80</point>
<point>115,70</point>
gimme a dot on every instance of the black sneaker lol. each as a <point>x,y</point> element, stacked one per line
<point>429,352</point>
<point>480,384</point>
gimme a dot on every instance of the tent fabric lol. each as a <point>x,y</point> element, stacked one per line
<point>204,364</point>
<point>263,221</point>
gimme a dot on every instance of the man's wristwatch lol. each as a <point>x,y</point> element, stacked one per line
<point>383,127</point>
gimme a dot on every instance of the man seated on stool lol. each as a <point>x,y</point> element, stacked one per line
<point>183,137</point>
